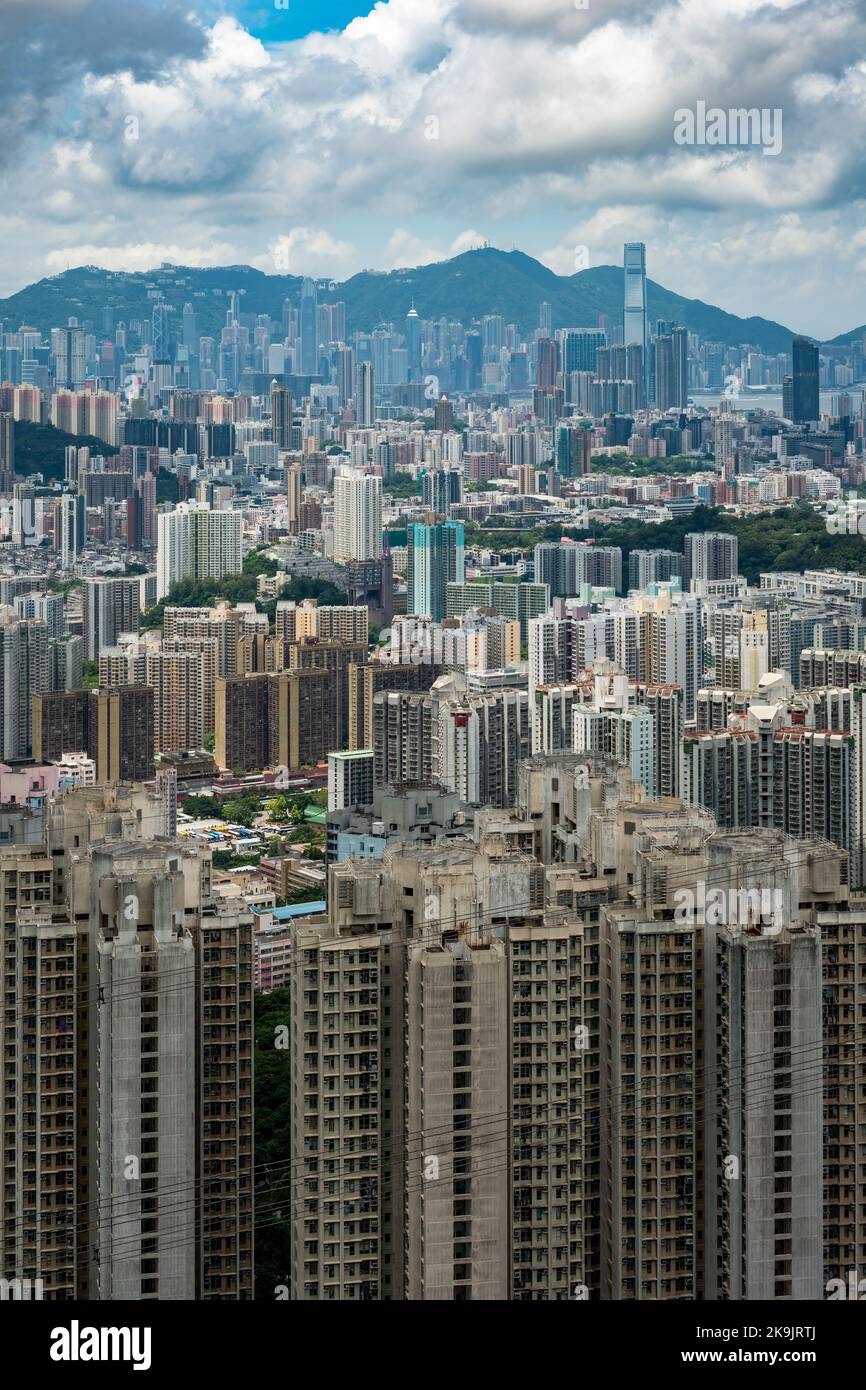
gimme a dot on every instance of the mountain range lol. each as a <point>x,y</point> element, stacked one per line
<point>484,281</point>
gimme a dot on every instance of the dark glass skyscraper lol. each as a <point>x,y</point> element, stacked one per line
<point>804,400</point>
<point>634,324</point>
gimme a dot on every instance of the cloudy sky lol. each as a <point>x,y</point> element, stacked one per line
<point>323,136</point>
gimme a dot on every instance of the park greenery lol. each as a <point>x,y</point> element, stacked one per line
<point>240,588</point>
<point>787,538</point>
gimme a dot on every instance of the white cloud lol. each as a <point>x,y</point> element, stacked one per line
<point>143,256</point>
<point>553,127</point>
<point>308,251</point>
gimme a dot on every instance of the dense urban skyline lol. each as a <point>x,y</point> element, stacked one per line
<point>433,702</point>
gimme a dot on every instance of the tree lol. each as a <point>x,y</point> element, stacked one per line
<point>278,809</point>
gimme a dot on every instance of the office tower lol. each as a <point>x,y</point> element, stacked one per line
<point>443,415</point>
<point>805,405</point>
<point>350,779</point>
<point>664,373</point>
<point>547,363</point>
<point>573,450</point>
<point>111,607</point>
<point>357,516</point>
<point>24,670</point>
<point>24,518</point>
<point>308,329</point>
<point>578,349</point>
<point>435,560</point>
<point>281,415</point>
<point>412,335</point>
<point>765,1233</point>
<point>7,451</point>
<point>196,543</point>
<point>635,305</point>
<point>710,555</point>
<point>653,567</point>
<point>188,328</point>
<point>365,394</point>
<point>680,366</point>
<point>788,397</point>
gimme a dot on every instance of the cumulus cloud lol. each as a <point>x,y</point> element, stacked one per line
<point>308,251</point>
<point>47,46</point>
<point>548,124</point>
<point>141,256</point>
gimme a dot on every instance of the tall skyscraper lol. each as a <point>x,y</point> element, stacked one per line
<point>7,451</point>
<point>680,366</point>
<point>635,307</point>
<point>281,415</point>
<point>309,355</point>
<point>805,400</point>
<point>365,394</point>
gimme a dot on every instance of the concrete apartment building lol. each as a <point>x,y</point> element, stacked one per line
<point>127,1061</point>
<point>680,1112</point>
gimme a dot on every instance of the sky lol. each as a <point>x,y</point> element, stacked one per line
<point>323,137</point>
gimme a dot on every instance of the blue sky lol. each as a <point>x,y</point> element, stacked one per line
<point>206,132</point>
<point>300,17</point>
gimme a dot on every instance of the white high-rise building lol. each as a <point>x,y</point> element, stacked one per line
<point>194,542</point>
<point>357,516</point>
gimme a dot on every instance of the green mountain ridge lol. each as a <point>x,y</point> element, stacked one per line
<point>484,281</point>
